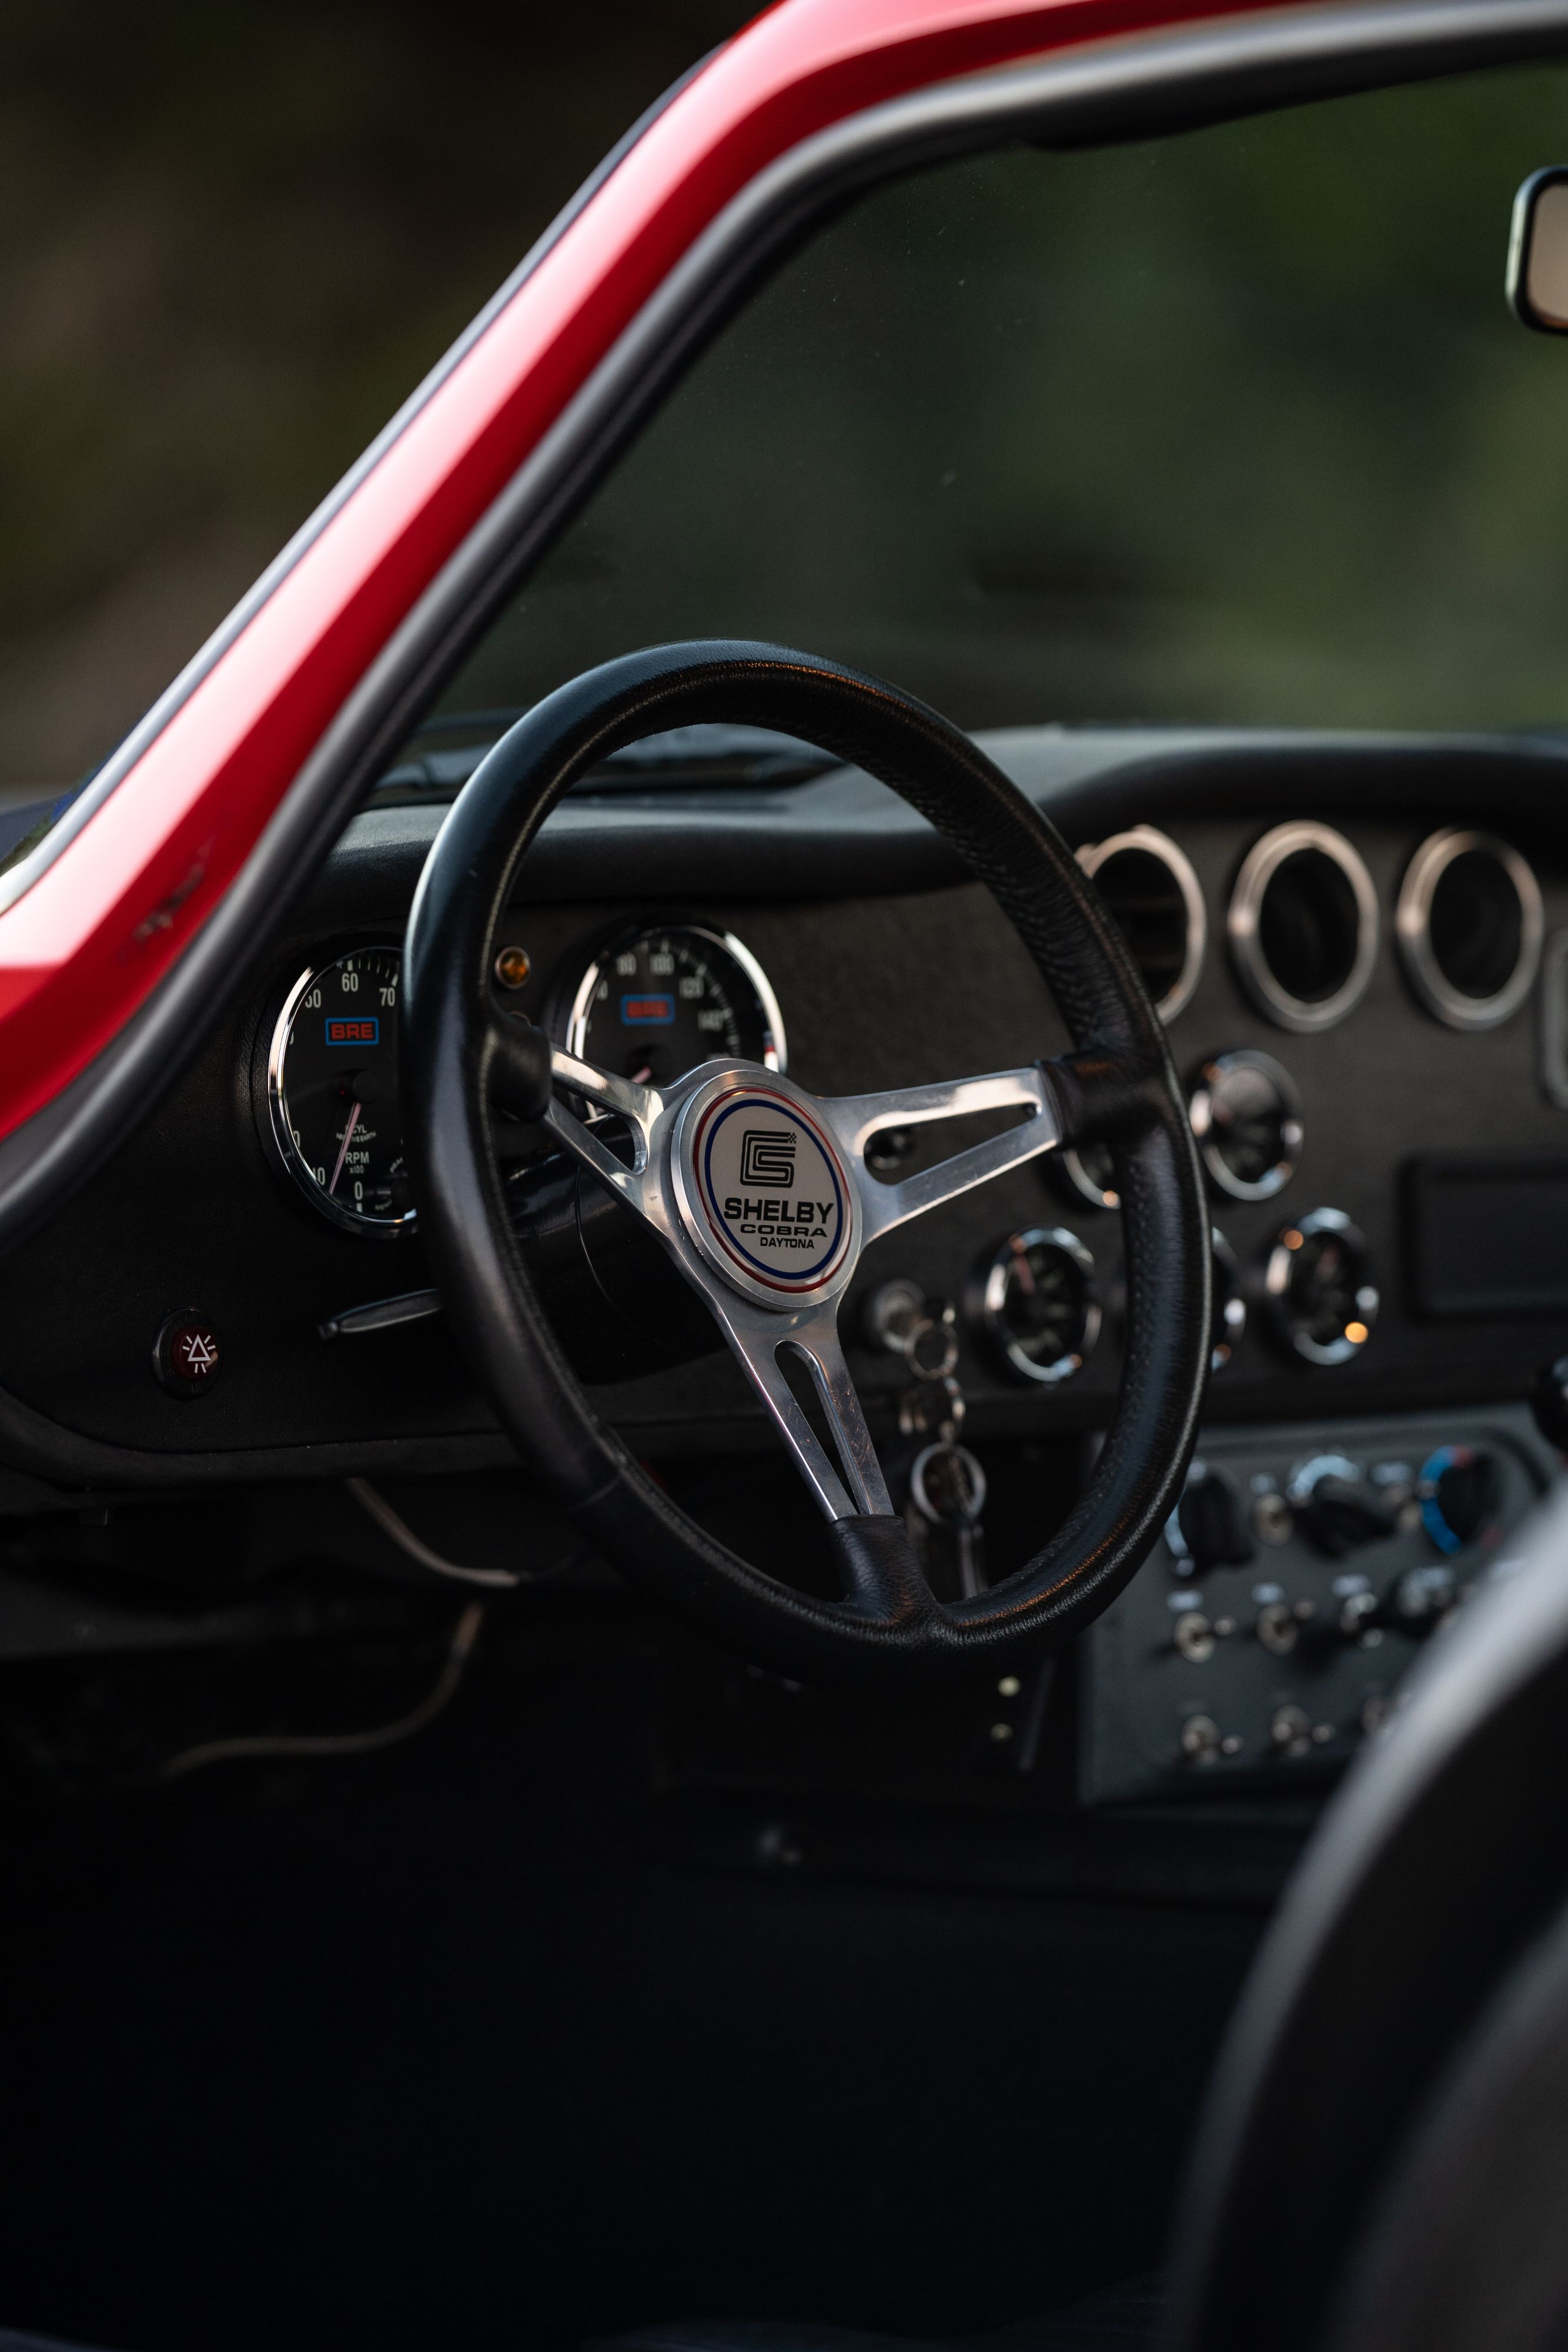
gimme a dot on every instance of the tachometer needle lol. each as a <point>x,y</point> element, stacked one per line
<point>343,1148</point>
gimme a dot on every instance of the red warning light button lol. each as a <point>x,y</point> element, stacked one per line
<point>187,1353</point>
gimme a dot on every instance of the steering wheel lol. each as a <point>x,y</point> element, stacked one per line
<point>730,1135</point>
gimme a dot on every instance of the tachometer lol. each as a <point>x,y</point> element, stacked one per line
<point>332,1092</point>
<point>658,1000</point>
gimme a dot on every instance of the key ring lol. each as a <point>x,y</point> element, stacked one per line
<point>931,1408</point>
<point>941,1361</point>
<point>973,1473</point>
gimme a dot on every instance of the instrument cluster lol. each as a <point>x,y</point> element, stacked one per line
<point>650,1002</point>
<point>650,999</point>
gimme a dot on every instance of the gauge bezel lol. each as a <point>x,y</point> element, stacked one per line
<point>1413,921</point>
<point>1156,843</point>
<point>1277,1287</point>
<point>1233,1314</point>
<point>278,1129</point>
<point>574,1025</point>
<point>1293,1132</point>
<point>1258,867</point>
<point>1071,1165</point>
<point>993,1292</point>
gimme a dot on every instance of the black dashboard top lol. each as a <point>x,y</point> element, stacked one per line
<point>841,834</point>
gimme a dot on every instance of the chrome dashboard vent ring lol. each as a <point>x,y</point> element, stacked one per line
<point>1303,926</point>
<point>1470,925</point>
<point>1150,888</point>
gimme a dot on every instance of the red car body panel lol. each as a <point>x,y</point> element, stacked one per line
<point>82,947</point>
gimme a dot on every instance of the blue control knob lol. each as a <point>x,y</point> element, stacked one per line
<point>1460,1490</point>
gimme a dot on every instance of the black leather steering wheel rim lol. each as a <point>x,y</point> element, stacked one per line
<point>1119,1084</point>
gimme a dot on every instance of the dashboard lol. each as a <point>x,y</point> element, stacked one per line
<point>1360,948</point>
<point>1367,1006</point>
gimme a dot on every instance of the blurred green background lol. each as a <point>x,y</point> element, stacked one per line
<point>233,236</point>
<point>1233,427</point>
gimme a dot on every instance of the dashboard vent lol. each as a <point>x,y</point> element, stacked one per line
<point>1470,925</point>
<point>1150,888</point>
<point>1303,926</point>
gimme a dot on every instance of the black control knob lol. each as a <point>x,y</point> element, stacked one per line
<point>1340,1517</point>
<point>1336,1512</point>
<point>1209,1517</point>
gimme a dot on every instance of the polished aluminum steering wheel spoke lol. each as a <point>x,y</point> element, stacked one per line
<point>642,1108</point>
<point>761,1194</point>
<point>855,1118</point>
<point>759,1339</point>
<point>757,1334</point>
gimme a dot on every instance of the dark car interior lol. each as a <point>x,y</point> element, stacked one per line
<point>427,1922</point>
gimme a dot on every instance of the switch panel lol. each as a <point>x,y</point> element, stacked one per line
<point>1296,1582</point>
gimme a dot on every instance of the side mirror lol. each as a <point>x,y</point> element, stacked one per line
<point>1537,283</point>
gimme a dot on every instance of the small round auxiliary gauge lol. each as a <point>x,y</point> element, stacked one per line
<point>1038,1303</point>
<point>1318,1281</point>
<point>1248,1121</point>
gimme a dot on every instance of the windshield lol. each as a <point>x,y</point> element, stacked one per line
<point>1230,427</point>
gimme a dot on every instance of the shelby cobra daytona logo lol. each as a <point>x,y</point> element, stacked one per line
<point>772,1189</point>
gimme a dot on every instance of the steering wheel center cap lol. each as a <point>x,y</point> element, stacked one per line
<point>765,1193</point>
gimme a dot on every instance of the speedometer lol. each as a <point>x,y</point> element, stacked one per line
<point>332,1092</point>
<point>658,1000</point>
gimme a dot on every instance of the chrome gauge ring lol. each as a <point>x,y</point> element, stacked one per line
<point>1038,1305</point>
<point>1246,1117</point>
<point>1317,1280</point>
<point>334,1121</point>
<point>658,998</point>
<point>1091,1175</point>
